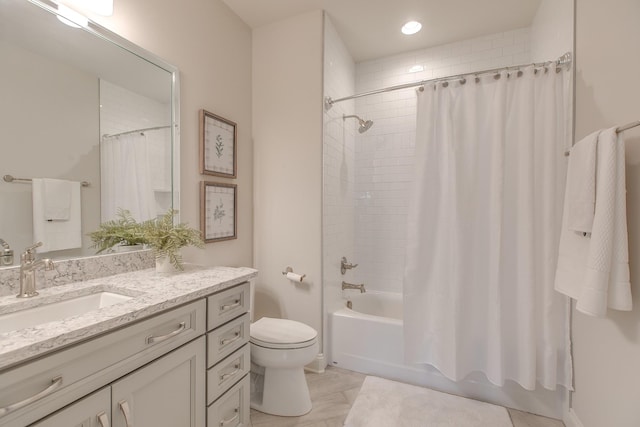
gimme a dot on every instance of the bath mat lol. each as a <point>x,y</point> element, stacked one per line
<point>385,403</point>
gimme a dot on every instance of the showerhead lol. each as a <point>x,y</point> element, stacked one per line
<point>363,125</point>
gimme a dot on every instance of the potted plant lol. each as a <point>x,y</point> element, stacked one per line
<point>121,232</point>
<point>166,240</point>
<point>161,235</point>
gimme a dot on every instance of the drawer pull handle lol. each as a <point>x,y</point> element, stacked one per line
<point>224,377</point>
<point>226,307</point>
<point>227,341</point>
<point>124,407</point>
<point>56,382</point>
<point>230,420</point>
<point>103,419</point>
<point>152,339</point>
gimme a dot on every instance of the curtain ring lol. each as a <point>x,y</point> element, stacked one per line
<point>520,73</point>
<point>497,76</point>
<point>463,81</point>
<point>445,84</point>
<point>421,88</point>
<point>546,70</point>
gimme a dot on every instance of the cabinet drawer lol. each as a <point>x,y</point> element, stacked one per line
<point>227,339</point>
<point>227,372</point>
<point>227,305</point>
<point>232,409</point>
<point>40,387</point>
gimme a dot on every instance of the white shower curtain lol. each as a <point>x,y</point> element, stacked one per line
<point>126,177</point>
<point>483,229</point>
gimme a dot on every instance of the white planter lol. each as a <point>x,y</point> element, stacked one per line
<point>163,265</point>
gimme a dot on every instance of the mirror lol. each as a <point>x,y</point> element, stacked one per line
<point>80,104</point>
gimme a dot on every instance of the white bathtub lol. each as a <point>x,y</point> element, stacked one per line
<point>369,339</point>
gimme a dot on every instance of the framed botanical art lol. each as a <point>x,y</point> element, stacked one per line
<point>218,211</point>
<point>217,145</point>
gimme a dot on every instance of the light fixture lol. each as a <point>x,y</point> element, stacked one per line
<point>411,27</point>
<point>416,68</point>
<point>71,18</point>
<point>101,7</point>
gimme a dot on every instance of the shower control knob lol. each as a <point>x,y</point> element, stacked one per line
<point>344,265</point>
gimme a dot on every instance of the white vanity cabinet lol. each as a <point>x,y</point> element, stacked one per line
<point>228,358</point>
<point>148,373</point>
<point>166,392</point>
<point>92,411</point>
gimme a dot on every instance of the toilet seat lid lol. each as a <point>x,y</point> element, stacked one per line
<point>277,332</point>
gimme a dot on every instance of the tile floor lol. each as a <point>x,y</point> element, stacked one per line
<point>333,393</point>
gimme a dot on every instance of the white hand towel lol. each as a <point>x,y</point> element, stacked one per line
<point>607,281</point>
<point>594,269</point>
<point>581,184</point>
<point>56,235</point>
<point>57,199</point>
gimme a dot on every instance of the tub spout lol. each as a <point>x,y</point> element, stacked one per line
<point>346,285</point>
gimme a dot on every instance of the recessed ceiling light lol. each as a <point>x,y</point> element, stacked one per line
<point>411,27</point>
<point>416,69</point>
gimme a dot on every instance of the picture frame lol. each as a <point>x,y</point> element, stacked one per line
<point>218,145</point>
<point>218,211</point>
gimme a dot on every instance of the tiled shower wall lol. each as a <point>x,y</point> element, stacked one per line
<point>338,158</point>
<point>122,110</point>
<point>384,154</point>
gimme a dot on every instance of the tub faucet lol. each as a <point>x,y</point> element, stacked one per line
<point>345,265</point>
<point>28,266</point>
<point>346,285</point>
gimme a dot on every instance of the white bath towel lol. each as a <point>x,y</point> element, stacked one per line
<point>581,184</point>
<point>56,198</point>
<point>594,269</point>
<point>56,235</point>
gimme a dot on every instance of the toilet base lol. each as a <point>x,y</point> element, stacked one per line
<point>284,393</point>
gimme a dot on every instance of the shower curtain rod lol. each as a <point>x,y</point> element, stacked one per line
<point>134,131</point>
<point>564,59</point>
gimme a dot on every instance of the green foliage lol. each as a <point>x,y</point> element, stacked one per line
<point>122,230</point>
<point>160,234</point>
<point>166,239</point>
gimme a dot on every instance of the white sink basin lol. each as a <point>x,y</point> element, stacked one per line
<point>58,310</point>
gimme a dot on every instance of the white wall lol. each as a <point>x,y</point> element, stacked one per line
<point>338,207</point>
<point>63,102</point>
<point>607,351</point>
<point>384,154</point>
<point>287,131</point>
<point>552,30</point>
<point>211,46</point>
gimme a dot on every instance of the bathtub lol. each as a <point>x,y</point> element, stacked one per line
<point>368,338</point>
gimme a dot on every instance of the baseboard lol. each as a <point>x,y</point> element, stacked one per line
<point>318,364</point>
<point>571,419</point>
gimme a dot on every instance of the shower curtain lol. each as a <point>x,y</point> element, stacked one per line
<point>483,228</point>
<point>126,176</point>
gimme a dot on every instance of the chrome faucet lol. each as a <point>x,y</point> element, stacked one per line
<point>6,253</point>
<point>28,266</point>
<point>346,285</point>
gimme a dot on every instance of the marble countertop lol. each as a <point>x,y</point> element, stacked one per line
<point>151,293</point>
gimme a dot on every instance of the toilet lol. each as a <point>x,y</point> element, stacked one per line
<point>280,349</point>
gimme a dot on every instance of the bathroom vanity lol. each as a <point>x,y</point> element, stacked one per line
<point>172,352</point>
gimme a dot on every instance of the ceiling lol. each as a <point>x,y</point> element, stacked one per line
<point>371,28</point>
